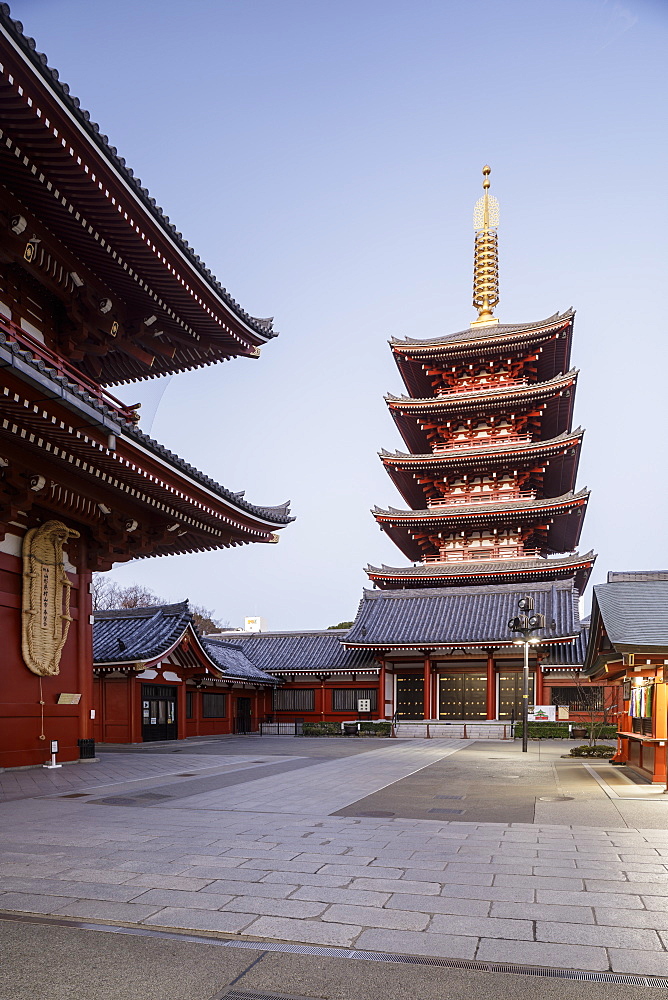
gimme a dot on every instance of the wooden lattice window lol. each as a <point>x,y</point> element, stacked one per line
<point>214,705</point>
<point>299,700</point>
<point>345,699</point>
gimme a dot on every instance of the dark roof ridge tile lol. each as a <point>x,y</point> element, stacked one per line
<point>486,508</point>
<point>146,611</point>
<point>478,566</point>
<point>507,389</point>
<point>476,333</point>
<point>438,592</point>
<point>485,449</point>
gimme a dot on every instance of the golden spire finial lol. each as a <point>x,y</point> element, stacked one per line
<point>486,257</point>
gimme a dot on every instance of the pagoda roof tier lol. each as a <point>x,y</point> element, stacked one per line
<point>99,221</point>
<point>460,617</point>
<point>561,517</point>
<point>91,462</point>
<point>557,395</point>
<point>559,456</point>
<point>484,571</point>
<point>553,334</point>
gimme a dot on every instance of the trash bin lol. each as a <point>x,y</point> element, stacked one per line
<point>350,729</point>
<point>86,749</point>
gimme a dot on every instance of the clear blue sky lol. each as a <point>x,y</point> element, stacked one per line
<point>323,158</point>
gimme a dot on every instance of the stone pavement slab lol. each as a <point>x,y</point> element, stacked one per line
<point>203,920</point>
<point>284,929</point>
<point>413,943</point>
<point>608,937</point>
<point>628,960</point>
<point>558,956</point>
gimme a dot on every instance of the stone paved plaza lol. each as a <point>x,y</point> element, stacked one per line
<point>330,842</point>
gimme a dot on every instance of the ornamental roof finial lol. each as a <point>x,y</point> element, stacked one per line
<point>486,255</point>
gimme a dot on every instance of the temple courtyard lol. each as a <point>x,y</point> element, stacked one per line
<point>332,868</point>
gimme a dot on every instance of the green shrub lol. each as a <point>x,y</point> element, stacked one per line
<point>559,730</point>
<point>334,728</point>
<point>597,750</point>
<point>321,729</point>
<point>544,730</point>
<point>376,728</point>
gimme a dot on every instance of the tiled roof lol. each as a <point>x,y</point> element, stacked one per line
<point>470,510</point>
<point>482,567</point>
<point>569,655</point>
<point>40,63</point>
<point>144,634</point>
<point>277,515</point>
<point>461,455</point>
<point>468,399</point>
<point>639,576</point>
<point>494,331</point>
<point>300,651</point>
<point>138,633</point>
<point>458,616</point>
<point>635,612</point>
<point>231,658</point>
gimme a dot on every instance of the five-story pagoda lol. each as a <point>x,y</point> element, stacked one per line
<point>491,460</point>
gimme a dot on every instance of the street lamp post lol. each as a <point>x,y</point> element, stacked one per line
<point>527,625</point>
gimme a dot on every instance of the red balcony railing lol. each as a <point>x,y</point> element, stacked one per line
<point>15,334</point>
<point>489,440</point>
<point>489,496</point>
<point>485,386</point>
<point>486,552</point>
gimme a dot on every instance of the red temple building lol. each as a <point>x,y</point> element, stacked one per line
<point>488,475</point>
<point>157,678</point>
<point>628,651</point>
<point>97,288</point>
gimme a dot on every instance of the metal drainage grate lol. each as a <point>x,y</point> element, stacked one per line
<point>449,797</point>
<point>454,812</point>
<point>540,972</point>
<point>323,951</point>
<point>555,798</point>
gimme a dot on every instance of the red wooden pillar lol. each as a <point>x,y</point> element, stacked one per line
<point>196,702</point>
<point>322,699</point>
<point>134,708</point>
<point>181,730</point>
<point>381,690</point>
<point>84,643</point>
<point>427,686</point>
<point>491,685</point>
<point>539,685</point>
